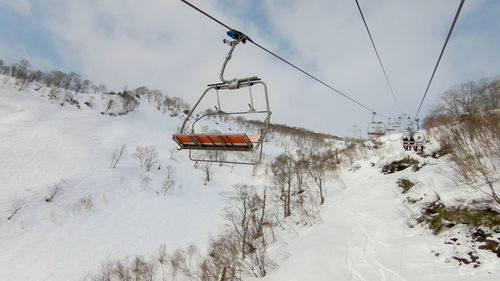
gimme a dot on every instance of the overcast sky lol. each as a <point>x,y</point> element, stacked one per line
<point>167,45</point>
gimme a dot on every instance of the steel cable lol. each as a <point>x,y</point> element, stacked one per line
<point>283,60</point>
<point>378,57</point>
<point>440,56</point>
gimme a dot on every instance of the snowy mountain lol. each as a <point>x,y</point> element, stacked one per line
<point>67,214</point>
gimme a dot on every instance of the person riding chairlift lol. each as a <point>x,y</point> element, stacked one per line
<point>405,143</point>
<point>419,144</point>
<point>412,144</point>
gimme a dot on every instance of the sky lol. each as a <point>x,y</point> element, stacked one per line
<point>165,44</point>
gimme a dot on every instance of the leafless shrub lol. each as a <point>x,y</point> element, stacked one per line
<point>243,206</point>
<point>128,101</point>
<point>176,262</point>
<point>116,156</point>
<point>122,271</point>
<point>247,215</point>
<point>147,156</point>
<point>172,152</point>
<point>192,253</point>
<point>52,191</point>
<point>222,262</point>
<point>318,168</point>
<point>139,269</point>
<point>167,185</point>
<point>206,171</point>
<point>476,151</point>
<point>163,260</point>
<point>85,203</point>
<point>353,152</point>
<point>145,180</point>
<point>68,97</point>
<point>257,262</point>
<point>105,272</point>
<point>52,93</point>
<point>143,270</point>
<point>169,182</point>
<point>181,262</point>
<point>15,207</point>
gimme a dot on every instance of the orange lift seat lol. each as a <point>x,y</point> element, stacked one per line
<point>216,141</point>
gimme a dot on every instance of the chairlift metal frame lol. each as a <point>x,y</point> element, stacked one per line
<point>226,142</point>
<point>376,128</point>
<point>391,125</point>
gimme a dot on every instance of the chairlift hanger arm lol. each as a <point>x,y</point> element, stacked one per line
<point>238,37</point>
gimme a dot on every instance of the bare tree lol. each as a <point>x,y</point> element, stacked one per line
<point>23,71</point>
<point>222,262</point>
<point>317,170</point>
<point>58,78</point>
<point>461,99</point>
<point>490,94</point>
<point>243,206</point>
<point>128,100</point>
<point>69,78</point>
<point>84,86</point>
<point>169,182</point>
<point>163,260</point>
<point>156,96</point>
<point>282,177</point>
<point>102,89</point>
<point>300,170</point>
<point>76,84</point>
<point>141,91</point>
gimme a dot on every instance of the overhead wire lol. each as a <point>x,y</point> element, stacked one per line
<point>440,56</point>
<point>284,60</point>
<point>378,57</point>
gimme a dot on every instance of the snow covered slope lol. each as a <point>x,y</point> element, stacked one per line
<point>364,234</point>
<point>99,212</point>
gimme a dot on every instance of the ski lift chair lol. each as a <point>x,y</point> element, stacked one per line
<point>391,125</point>
<point>226,142</point>
<point>412,140</point>
<point>376,128</point>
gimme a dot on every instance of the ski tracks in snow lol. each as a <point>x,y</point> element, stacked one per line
<point>369,239</point>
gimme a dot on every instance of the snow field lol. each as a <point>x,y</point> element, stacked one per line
<point>103,214</point>
<point>43,144</point>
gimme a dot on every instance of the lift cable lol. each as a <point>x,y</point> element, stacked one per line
<point>378,57</point>
<point>440,56</point>
<point>282,59</point>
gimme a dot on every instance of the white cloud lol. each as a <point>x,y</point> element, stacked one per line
<point>168,45</point>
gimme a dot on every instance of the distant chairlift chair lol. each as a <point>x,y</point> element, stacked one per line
<point>413,141</point>
<point>376,128</point>
<point>226,142</point>
<point>391,125</point>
